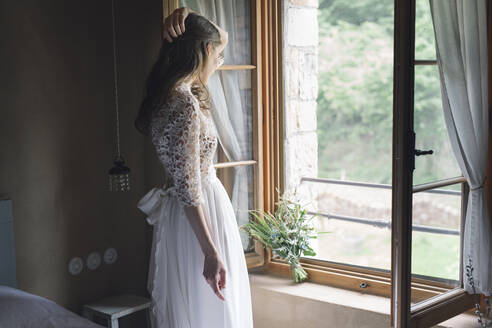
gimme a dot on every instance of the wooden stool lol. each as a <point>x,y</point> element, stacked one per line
<point>115,307</point>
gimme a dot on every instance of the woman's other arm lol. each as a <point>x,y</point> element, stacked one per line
<point>213,268</point>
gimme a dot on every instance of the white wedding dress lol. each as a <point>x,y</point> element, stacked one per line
<point>185,139</point>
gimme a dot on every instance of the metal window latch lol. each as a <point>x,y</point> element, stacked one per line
<point>416,152</point>
<point>419,152</point>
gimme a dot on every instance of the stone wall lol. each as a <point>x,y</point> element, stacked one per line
<point>300,54</point>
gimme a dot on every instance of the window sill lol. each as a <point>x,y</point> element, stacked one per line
<point>279,302</point>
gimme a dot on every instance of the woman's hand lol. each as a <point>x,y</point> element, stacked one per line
<point>214,273</point>
<point>174,24</point>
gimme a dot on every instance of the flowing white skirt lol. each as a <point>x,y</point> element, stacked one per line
<point>181,298</point>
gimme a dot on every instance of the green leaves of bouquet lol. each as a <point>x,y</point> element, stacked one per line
<point>286,232</point>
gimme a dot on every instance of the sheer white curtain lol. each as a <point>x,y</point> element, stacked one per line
<point>230,108</point>
<point>460,28</point>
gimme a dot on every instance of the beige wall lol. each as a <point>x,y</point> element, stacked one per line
<point>57,142</point>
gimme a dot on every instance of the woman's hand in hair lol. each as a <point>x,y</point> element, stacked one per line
<point>174,24</point>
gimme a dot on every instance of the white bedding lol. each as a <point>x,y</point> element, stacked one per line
<point>19,309</point>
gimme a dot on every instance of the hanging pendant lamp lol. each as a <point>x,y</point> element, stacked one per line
<point>119,174</point>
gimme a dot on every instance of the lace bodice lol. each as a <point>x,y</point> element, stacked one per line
<point>185,140</point>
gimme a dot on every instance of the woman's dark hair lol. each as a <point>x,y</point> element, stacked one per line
<point>177,61</point>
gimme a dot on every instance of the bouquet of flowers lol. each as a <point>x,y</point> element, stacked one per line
<point>286,233</point>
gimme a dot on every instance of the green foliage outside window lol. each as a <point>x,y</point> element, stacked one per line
<point>355,99</point>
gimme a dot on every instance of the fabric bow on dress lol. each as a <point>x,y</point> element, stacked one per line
<point>155,201</point>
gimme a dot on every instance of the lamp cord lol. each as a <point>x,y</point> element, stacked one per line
<point>115,82</point>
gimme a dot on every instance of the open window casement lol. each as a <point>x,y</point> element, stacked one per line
<point>453,22</point>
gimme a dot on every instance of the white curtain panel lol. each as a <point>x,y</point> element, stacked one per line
<point>460,28</point>
<point>230,105</point>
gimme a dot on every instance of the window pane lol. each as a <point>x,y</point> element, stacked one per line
<point>240,180</point>
<point>233,114</point>
<point>430,130</point>
<point>436,254</point>
<point>351,242</point>
<point>424,32</point>
<point>234,17</point>
<point>354,130</point>
<point>230,92</point>
<point>355,83</point>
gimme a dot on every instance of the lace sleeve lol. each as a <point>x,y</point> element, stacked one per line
<point>176,140</point>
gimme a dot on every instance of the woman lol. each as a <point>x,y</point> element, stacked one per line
<point>196,244</point>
